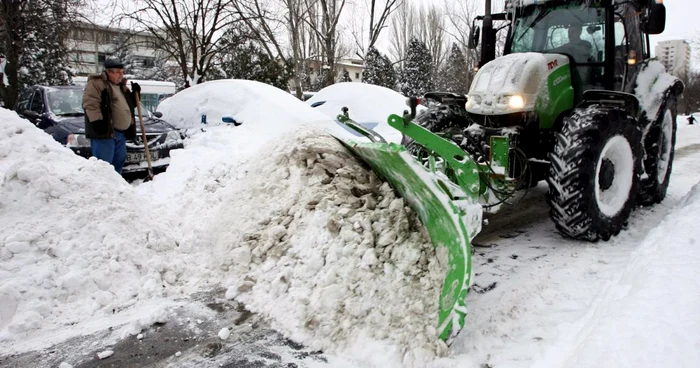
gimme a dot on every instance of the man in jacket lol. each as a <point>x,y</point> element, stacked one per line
<point>109,113</point>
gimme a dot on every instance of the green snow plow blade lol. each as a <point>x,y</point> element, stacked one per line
<point>450,212</point>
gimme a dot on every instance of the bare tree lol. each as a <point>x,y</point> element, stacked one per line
<point>460,15</point>
<point>402,30</point>
<point>379,13</point>
<point>323,22</point>
<point>187,31</point>
<point>431,30</point>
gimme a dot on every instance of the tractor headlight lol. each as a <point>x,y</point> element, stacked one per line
<point>473,101</point>
<point>77,140</point>
<point>514,102</point>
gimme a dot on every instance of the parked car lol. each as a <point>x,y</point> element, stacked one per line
<point>59,112</point>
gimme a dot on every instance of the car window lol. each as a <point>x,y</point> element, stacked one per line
<point>24,99</point>
<point>37,104</point>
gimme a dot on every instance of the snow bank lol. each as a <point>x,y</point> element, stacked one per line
<point>75,242</point>
<point>248,102</point>
<point>650,316</point>
<point>368,105</point>
<point>313,240</point>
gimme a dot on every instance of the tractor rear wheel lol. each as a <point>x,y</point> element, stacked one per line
<point>594,173</point>
<point>658,155</point>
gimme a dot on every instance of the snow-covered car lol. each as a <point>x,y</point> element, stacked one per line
<point>58,111</point>
<point>250,104</point>
<point>368,104</point>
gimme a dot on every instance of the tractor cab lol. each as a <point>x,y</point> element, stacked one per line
<point>604,42</point>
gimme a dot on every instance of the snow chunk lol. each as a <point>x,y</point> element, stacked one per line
<point>105,354</point>
<point>224,333</point>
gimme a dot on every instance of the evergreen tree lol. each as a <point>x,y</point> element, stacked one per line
<point>455,76</point>
<point>417,74</point>
<point>321,80</point>
<point>164,71</point>
<point>122,51</point>
<point>378,70</point>
<point>345,76</point>
<point>240,59</point>
<point>34,34</point>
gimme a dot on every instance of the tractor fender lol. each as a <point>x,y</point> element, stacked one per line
<point>621,100</point>
<point>653,88</point>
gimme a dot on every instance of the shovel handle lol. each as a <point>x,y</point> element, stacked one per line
<point>143,134</point>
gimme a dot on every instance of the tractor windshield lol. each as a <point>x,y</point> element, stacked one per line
<point>574,30</point>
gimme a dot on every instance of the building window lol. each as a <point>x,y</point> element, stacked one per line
<point>149,62</point>
<point>357,75</point>
<point>102,56</point>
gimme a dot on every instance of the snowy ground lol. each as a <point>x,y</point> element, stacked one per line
<point>279,220</point>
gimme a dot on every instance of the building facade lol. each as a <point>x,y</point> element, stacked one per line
<point>675,55</point>
<point>355,67</point>
<point>89,45</point>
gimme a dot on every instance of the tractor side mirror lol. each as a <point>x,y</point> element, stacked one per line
<point>474,37</point>
<point>655,20</point>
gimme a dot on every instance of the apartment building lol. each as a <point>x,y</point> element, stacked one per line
<point>675,55</point>
<point>90,44</point>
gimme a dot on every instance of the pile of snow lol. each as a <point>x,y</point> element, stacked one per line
<point>76,242</point>
<point>248,102</point>
<point>368,105</point>
<point>650,316</point>
<point>314,241</point>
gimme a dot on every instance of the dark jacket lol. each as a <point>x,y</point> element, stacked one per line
<point>97,103</point>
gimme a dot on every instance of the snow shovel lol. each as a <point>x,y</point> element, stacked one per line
<point>143,134</point>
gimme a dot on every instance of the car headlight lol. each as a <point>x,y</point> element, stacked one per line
<point>77,140</point>
<point>173,136</point>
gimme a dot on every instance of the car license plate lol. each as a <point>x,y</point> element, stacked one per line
<point>136,157</point>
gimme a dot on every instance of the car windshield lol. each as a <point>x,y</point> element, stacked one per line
<point>65,101</point>
<point>573,29</point>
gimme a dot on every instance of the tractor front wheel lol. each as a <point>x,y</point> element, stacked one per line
<point>594,173</point>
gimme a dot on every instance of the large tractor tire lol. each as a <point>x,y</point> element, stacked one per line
<point>659,149</point>
<point>595,173</point>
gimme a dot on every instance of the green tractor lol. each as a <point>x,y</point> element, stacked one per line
<point>575,100</point>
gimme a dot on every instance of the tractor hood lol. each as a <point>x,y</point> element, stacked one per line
<point>510,83</point>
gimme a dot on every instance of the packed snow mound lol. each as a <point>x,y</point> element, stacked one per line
<point>75,241</point>
<point>248,102</point>
<point>368,104</point>
<point>650,316</point>
<point>317,243</point>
